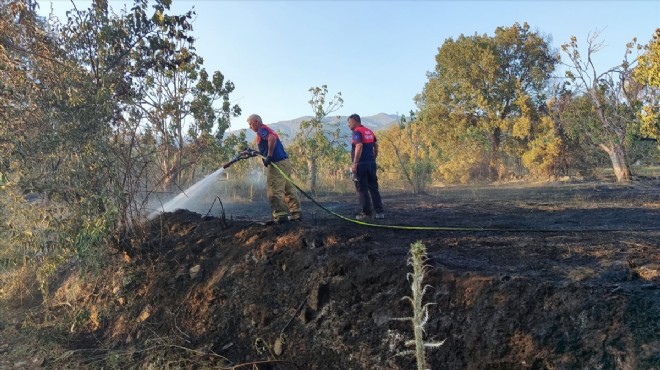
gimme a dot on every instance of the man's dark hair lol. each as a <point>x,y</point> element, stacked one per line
<point>356,117</point>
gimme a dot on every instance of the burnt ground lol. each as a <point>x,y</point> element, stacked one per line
<point>565,276</point>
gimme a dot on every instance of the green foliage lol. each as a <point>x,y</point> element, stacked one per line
<point>484,96</point>
<point>544,151</point>
<point>90,236</point>
<point>406,150</point>
<point>33,239</point>
<point>472,164</point>
<point>647,73</point>
<point>576,124</point>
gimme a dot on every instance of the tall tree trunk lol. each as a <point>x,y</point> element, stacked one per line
<point>192,172</point>
<point>620,166</point>
<point>179,150</point>
<point>417,170</point>
<point>561,164</point>
<point>493,167</point>
<point>616,150</point>
<point>166,170</point>
<point>313,173</point>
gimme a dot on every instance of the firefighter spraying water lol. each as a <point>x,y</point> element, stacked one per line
<point>282,194</point>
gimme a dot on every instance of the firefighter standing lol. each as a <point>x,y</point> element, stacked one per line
<point>364,150</point>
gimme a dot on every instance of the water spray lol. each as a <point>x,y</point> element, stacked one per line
<point>197,189</point>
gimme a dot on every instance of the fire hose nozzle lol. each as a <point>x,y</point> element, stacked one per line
<point>249,152</point>
<point>244,154</point>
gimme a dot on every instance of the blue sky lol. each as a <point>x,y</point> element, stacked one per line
<point>376,53</point>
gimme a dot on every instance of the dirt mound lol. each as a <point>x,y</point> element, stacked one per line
<point>321,293</point>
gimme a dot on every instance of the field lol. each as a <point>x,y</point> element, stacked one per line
<point>530,276</point>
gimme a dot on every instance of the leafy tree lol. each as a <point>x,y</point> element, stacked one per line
<point>30,66</point>
<point>647,73</point>
<point>314,140</point>
<point>32,73</point>
<point>96,120</point>
<point>143,73</point>
<point>483,88</point>
<point>180,106</point>
<point>614,98</point>
<point>76,98</point>
<point>574,123</point>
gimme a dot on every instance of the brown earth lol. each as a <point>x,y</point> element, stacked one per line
<point>566,276</point>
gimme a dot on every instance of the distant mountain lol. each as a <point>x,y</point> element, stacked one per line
<point>289,128</point>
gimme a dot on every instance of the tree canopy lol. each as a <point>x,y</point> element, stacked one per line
<point>484,97</point>
<point>647,73</point>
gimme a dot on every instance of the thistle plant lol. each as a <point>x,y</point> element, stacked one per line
<point>420,316</point>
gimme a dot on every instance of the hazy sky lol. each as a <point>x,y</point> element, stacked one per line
<point>376,53</point>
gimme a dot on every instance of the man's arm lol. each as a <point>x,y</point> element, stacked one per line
<point>272,140</point>
<point>375,149</point>
<point>356,157</point>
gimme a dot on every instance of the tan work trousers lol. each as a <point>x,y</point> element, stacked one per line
<point>282,194</point>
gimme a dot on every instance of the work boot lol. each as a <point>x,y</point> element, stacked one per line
<point>380,215</point>
<point>362,216</point>
<point>296,216</point>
